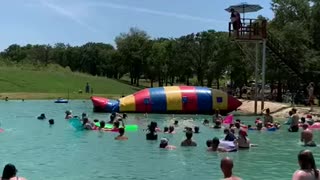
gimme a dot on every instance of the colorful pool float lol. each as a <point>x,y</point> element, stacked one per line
<point>129,127</point>
<point>170,99</point>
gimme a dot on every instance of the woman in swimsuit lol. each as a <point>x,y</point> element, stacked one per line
<point>10,172</point>
<point>308,168</point>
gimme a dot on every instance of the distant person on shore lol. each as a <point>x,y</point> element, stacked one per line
<point>188,141</point>
<point>6,99</point>
<point>121,135</point>
<point>294,126</point>
<point>308,169</point>
<point>10,173</point>
<point>87,88</point>
<point>311,97</point>
<point>226,166</point>
<point>307,136</point>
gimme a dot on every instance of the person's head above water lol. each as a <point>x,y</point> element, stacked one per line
<point>43,115</point>
<point>237,125</point>
<point>84,115</point>
<point>171,129</point>
<point>305,126</point>
<point>165,129</point>
<point>268,111</point>
<point>196,129</point>
<point>259,125</point>
<point>290,113</point>
<point>226,165</point>
<point>226,131</point>
<point>189,135</point>
<point>303,119</point>
<point>68,112</point>
<point>176,122</point>
<point>238,120</point>
<point>116,124</point>
<point>102,124</point>
<point>9,171</point>
<point>85,120</point>
<point>163,143</point>
<point>209,143</point>
<point>206,121</point>
<point>307,162</point>
<point>51,121</point>
<point>121,131</point>
<point>215,142</point>
<point>124,116</point>
<point>294,110</point>
<point>96,120</point>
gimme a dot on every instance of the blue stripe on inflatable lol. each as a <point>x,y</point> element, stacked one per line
<point>110,106</point>
<point>204,99</point>
<point>158,99</point>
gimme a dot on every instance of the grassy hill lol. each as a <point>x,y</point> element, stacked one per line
<point>18,83</point>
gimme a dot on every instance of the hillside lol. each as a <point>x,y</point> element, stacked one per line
<point>17,83</point>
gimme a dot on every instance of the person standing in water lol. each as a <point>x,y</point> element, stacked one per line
<point>310,89</point>
<point>10,173</point>
<point>121,135</point>
<point>188,141</point>
<point>308,169</point>
<point>307,136</point>
<point>294,126</point>
<point>267,118</point>
<point>226,166</point>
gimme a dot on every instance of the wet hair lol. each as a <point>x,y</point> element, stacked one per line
<point>268,110</point>
<point>238,120</point>
<point>303,119</point>
<point>249,126</point>
<point>165,129</point>
<point>206,121</point>
<point>232,131</point>
<point>196,129</point>
<point>51,121</point>
<point>102,124</point>
<point>290,113</point>
<point>116,124</point>
<point>189,135</point>
<point>84,121</point>
<point>152,127</point>
<point>112,116</point>
<point>121,131</point>
<point>9,171</point>
<point>226,131</point>
<point>218,123</point>
<point>209,143</point>
<point>163,145</point>
<point>176,122</point>
<point>187,129</point>
<point>294,110</point>
<point>43,115</point>
<point>124,115</point>
<point>84,115</point>
<point>306,161</point>
<point>259,126</point>
<point>231,125</point>
<point>171,129</point>
<point>96,120</point>
<point>215,142</point>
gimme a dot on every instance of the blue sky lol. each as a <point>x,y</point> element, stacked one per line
<point>79,21</point>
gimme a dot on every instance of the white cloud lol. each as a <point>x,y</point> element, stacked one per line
<point>154,12</point>
<point>68,14</point>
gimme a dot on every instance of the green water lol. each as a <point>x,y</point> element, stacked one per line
<point>60,152</point>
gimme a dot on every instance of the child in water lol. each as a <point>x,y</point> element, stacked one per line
<point>164,144</point>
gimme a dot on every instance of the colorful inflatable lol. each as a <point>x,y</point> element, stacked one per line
<point>170,99</point>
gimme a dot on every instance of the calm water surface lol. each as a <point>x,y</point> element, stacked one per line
<point>41,152</point>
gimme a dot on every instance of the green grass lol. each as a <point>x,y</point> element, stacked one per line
<point>53,83</point>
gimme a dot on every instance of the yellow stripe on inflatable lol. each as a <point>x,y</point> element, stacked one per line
<point>217,96</point>
<point>174,98</point>
<point>127,104</point>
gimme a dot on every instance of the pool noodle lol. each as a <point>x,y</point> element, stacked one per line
<point>129,127</point>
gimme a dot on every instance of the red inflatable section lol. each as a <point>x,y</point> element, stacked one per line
<point>191,101</point>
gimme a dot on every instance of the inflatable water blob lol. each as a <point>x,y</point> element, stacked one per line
<point>170,99</point>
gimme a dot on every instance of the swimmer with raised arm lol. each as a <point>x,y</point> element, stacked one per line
<point>307,136</point>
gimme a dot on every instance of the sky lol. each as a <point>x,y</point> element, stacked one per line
<point>77,22</point>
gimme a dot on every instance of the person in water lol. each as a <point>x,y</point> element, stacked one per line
<point>206,122</point>
<point>229,136</point>
<point>215,146</point>
<point>196,129</point>
<point>164,144</point>
<point>176,123</point>
<point>209,143</point>
<point>42,116</point>
<point>86,124</point>
<point>171,130</point>
<point>267,118</point>
<point>121,135</point>
<point>102,125</point>
<point>217,116</point>
<point>188,141</point>
<point>10,173</point>
<point>226,166</point>
<point>307,136</point>
<point>166,130</point>
<point>51,122</point>
<point>242,141</point>
<point>294,126</point>
<point>68,115</point>
<point>308,169</point>
<point>152,133</point>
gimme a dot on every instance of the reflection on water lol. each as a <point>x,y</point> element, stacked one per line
<point>60,152</point>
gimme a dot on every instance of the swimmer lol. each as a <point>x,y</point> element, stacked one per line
<point>217,124</point>
<point>217,116</point>
<point>294,126</point>
<point>226,166</point>
<point>68,115</point>
<point>152,134</point>
<point>308,169</point>
<point>112,118</point>
<point>121,135</point>
<point>83,115</point>
<point>95,120</point>
<point>176,123</point>
<point>51,122</point>
<point>166,130</point>
<point>42,116</point>
<point>309,119</point>
<point>10,173</point>
<point>209,143</point>
<point>164,144</point>
<point>242,141</point>
<point>206,122</point>
<point>307,136</point>
<point>188,141</point>
<point>102,124</point>
<point>215,146</point>
<point>171,130</point>
<point>124,116</point>
<point>229,136</point>
<point>267,118</point>
<point>86,124</point>
<point>196,129</point>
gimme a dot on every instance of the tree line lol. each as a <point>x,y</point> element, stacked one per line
<point>209,55</point>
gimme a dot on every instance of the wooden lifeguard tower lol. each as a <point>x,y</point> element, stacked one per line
<point>253,31</point>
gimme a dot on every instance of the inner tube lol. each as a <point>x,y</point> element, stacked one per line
<point>315,126</point>
<point>228,145</point>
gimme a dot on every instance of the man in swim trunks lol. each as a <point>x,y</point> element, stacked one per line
<point>294,126</point>
<point>226,166</point>
<point>121,135</point>
<point>307,136</point>
<point>188,141</point>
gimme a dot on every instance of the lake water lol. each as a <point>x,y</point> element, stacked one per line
<point>59,152</point>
